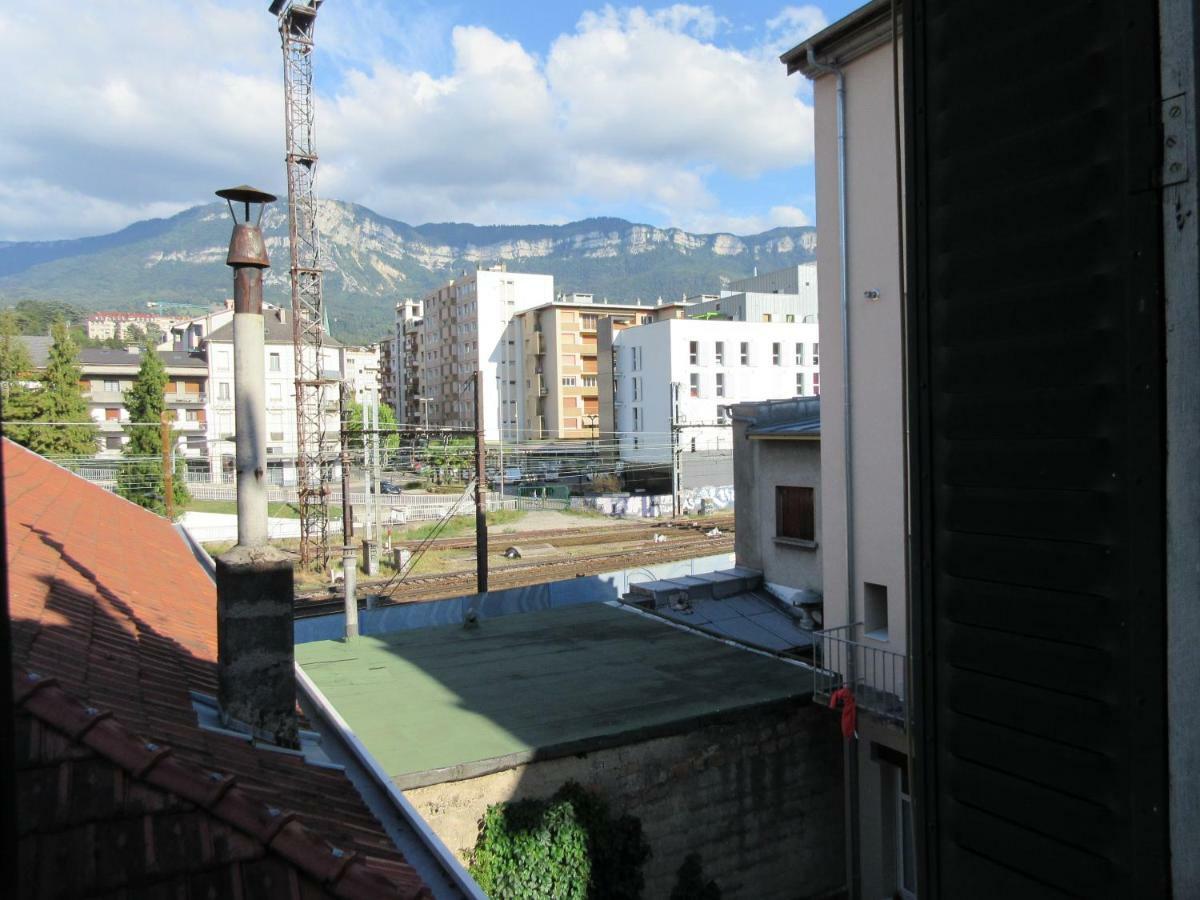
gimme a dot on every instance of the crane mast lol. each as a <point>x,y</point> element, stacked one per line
<point>297,23</point>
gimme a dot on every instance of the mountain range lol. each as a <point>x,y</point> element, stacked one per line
<point>372,261</point>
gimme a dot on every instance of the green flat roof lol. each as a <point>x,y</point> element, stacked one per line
<point>440,704</point>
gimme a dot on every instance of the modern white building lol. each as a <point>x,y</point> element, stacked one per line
<point>280,370</point>
<point>713,364</point>
<point>786,295</point>
<point>466,327</point>
<point>360,371</point>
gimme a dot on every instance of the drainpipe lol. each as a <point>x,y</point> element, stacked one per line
<point>854,850</point>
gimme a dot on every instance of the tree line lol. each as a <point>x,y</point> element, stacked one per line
<point>45,410</point>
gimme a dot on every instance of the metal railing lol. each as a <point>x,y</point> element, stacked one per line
<point>878,679</point>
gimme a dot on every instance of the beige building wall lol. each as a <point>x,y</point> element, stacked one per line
<point>876,399</point>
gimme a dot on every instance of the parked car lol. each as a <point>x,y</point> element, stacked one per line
<point>390,487</point>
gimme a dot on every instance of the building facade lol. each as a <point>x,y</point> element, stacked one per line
<point>107,374</point>
<point>387,375</point>
<point>684,373</point>
<point>862,460</point>
<point>280,370</point>
<point>106,325</point>
<point>411,404</point>
<point>361,371</point>
<point>466,327</point>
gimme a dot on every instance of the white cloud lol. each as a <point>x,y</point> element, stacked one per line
<point>114,112</point>
<point>792,25</point>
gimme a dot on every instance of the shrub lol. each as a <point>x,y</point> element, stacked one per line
<point>566,848</point>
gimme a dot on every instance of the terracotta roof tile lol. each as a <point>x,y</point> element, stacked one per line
<point>120,788</point>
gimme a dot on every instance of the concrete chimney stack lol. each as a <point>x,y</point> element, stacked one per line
<point>256,681</point>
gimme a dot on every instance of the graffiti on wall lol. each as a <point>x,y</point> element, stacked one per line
<point>697,501</point>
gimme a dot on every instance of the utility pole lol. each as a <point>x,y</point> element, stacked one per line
<point>168,472</point>
<point>481,535</point>
<point>675,452</point>
<point>349,569</point>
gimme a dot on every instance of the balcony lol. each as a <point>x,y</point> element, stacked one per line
<point>539,343</point>
<point>187,399</point>
<point>875,676</point>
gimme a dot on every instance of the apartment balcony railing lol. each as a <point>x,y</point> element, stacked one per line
<point>187,399</point>
<point>875,676</point>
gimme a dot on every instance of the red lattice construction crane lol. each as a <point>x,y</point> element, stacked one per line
<point>297,24</point>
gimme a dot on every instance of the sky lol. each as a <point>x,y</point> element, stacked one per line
<point>482,111</point>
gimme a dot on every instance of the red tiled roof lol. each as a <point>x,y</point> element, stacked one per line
<point>113,613</point>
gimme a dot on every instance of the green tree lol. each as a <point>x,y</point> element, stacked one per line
<point>140,478</point>
<point>390,440</point>
<point>58,402</point>
<point>37,316</point>
<point>15,370</point>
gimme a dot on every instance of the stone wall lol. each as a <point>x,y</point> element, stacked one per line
<point>758,796</point>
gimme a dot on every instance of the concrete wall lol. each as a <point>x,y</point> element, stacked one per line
<point>875,345</point>
<point>760,466</point>
<point>759,797</point>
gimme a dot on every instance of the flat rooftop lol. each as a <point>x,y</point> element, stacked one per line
<point>442,704</point>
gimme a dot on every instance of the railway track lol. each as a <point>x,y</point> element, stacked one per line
<point>455,584</point>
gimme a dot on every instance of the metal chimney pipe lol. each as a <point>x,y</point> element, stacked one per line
<point>256,681</point>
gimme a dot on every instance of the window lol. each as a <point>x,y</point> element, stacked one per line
<point>113,442</point>
<point>694,384</point>
<point>589,380</point>
<point>637,390</point>
<point>875,611</point>
<point>694,353</point>
<point>720,384</point>
<point>745,354</point>
<point>275,390</point>
<point>222,361</point>
<point>274,362</point>
<point>568,381</point>
<point>637,421</point>
<point>794,513</point>
<point>789,318</point>
<point>816,354</point>
<point>112,414</point>
<point>113,387</point>
<point>693,445</point>
<point>799,354</point>
<point>720,353</point>
<point>191,415</point>
<point>799,384</point>
<point>589,321</point>
<point>275,426</point>
<point>766,317</point>
<point>646,320</point>
<point>223,390</point>
<point>777,354</point>
<point>816,384</point>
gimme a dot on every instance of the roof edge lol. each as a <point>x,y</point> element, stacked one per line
<point>863,30</point>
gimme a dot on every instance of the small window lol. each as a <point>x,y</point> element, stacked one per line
<point>223,390</point>
<point>794,517</point>
<point>693,445</point>
<point>777,354</point>
<point>789,318</point>
<point>113,442</point>
<point>274,360</point>
<point>694,352</point>
<point>720,353</point>
<point>568,381</point>
<point>799,354</point>
<point>816,384</point>
<point>766,317</point>
<point>112,414</point>
<point>275,392</point>
<point>816,354</point>
<point>637,422</point>
<point>799,384</point>
<point>720,384</point>
<point>113,387</point>
<point>745,354</point>
<point>875,611</point>
<point>637,390</point>
<point>222,361</point>
<point>589,380</point>
<point>694,384</point>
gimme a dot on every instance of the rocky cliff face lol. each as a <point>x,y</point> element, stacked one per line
<point>372,261</point>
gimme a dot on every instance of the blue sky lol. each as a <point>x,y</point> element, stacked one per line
<point>486,111</point>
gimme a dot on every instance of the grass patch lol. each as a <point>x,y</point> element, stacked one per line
<point>459,525</point>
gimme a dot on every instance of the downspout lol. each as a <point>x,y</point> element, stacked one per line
<point>854,854</point>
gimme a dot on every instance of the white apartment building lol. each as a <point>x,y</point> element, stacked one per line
<point>715,364</point>
<point>280,370</point>
<point>408,353</point>
<point>360,371</point>
<point>787,295</point>
<point>467,326</point>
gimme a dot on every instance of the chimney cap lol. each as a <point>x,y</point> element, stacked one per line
<point>243,193</point>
